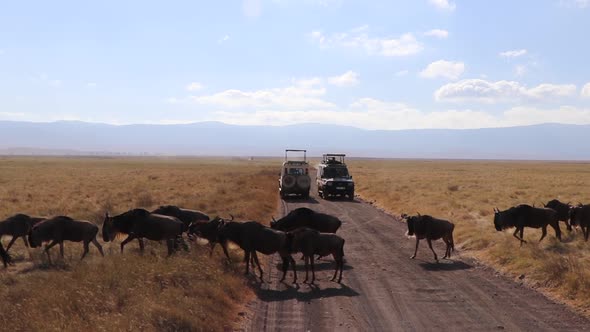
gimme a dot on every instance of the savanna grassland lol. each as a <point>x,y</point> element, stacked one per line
<point>466,192</point>
<point>189,291</point>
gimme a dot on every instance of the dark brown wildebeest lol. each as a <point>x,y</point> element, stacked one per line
<point>4,256</point>
<point>430,228</point>
<point>310,242</point>
<point>139,224</point>
<point>254,237</point>
<point>207,230</point>
<point>17,226</point>
<point>187,216</point>
<point>580,217</point>
<point>62,228</point>
<point>524,215</point>
<point>304,217</point>
<point>562,210</point>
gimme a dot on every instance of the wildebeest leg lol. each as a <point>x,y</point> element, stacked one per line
<point>430,246</point>
<point>448,249</point>
<point>86,249</point>
<point>337,261</point>
<point>47,247</point>
<point>416,250</point>
<point>141,245</point>
<point>568,225</point>
<point>211,247</point>
<point>247,253</point>
<point>586,230</point>
<point>171,244</point>
<point>544,233</point>
<point>127,240</point>
<point>224,246</point>
<point>26,241</point>
<point>61,249</point>
<point>294,269</point>
<point>306,268</point>
<point>255,256</point>
<point>285,267</point>
<point>312,269</point>
<point>557,230</point>
<point>11,243</point>
<point>98,246</point>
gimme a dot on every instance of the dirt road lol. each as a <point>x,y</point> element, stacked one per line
<point>384,290</point>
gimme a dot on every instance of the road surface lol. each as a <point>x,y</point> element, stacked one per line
<point>384,290</point>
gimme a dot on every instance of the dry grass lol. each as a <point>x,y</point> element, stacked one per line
<point>189,291</point>
<point>466,193</point>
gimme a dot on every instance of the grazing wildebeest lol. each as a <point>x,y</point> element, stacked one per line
<point>207,230</point>
<point>562,210</point>
<point>4,256</point>
<point>139,224</point>
<point>304,217</point>
<point>310,242</point>
<point>252,236</point>
<point>187,216</point>
<point>430,228</point>
<point>524,215</point>
<point>17,226</point>
<point>62,228</point>
<point>580,217</point>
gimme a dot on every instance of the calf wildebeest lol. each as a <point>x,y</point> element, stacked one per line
<point>17,226</point>
<point>310,242</point>
<point>580,217</point>
<point>430,228</point>
<point>4,256</point>
<point>207,230</point>
<point>252,236</point>
<point>62,228</point>
<point>524,215</point>
<point>562,210</point>
<point>304,217</point>
<point>139,224</point>
<point>187,216</point>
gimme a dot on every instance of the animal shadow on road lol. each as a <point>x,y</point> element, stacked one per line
<point>309,200</point>
<point>445,265</point>
<point>319,266</point>
<point>305,292</point>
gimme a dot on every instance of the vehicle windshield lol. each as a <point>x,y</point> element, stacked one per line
<point>296,171</point>
<point>332,172</point>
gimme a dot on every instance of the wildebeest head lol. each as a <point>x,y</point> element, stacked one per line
<point>498,222</point>
<point>575,214</point>
<point>34,238</point>
<point>108,228</point>
<point>411,221</point>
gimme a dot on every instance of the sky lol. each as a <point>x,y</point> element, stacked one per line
<point>369,64</point>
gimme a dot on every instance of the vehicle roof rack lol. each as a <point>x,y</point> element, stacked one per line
<point>296,150</point>
<point>333,158</point>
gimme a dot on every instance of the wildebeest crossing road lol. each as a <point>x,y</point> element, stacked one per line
<point>384,290</point>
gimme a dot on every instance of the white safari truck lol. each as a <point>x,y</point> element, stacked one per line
<point>295,178</point>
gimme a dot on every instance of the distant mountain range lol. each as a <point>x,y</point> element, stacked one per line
<point>539,142</point>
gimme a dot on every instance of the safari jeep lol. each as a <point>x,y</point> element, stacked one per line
<point>333,178</point>
<point>294,178</point>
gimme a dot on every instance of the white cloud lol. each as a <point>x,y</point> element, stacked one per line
<point>223,39</point>
<point>350,78</point>
<point>10,115</point>
<point>513,53</point>
<point>194,86</point>
<point>586,91</point>
<point>438,33</point>
<point>442,68</point>
<point>322,3</point>
<point>501,91</point>
<point>444,4</point>
<point>520,70</point>
<point>576,3</point>
<point>91,85</point>
<point>404,45</point>
<point>252,8</point>
<point>401,73</point>
<point>2,51</point>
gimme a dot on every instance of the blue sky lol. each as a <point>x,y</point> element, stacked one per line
<point>370,64</point>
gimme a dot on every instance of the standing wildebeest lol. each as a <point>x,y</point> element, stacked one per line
<point>139,224</point>
<point>562,210</point>
<point>207,230</point>
<point>4,256</point>
<point>17,226</point>
<point>580,216</point>
<point>430,228</point>
<point>62,228</point>
<point>310,242</point>
<point>524,215</point>
<point>187,216</point>
<point>304,217</point>
<point>252,236</point>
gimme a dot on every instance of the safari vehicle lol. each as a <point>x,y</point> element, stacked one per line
<point>333,178</point>
<point>295,178</point>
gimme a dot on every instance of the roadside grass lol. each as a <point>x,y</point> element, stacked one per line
<point>189,291</point>
<point>466,192</point>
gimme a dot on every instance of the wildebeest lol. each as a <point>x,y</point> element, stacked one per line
<point>580,216</point>
<point>430,228</point>
<point>524,215</point>
<point>310,242</point>
<point>187,216</point>
<point>62,228</point>
<point>562,210</point>
<point>207,230</point>
<point>4,256</point>
<point>17,226</point>
<point>139,224</point>
<point>304,217</point>
<point>254,237</point>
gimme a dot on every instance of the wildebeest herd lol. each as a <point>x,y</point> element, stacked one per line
<point>302,230</point>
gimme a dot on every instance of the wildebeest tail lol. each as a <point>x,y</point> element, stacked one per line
<point>342,248</point>
<point>451,237</point>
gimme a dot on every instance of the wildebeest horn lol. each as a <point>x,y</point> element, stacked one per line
<point>232,217</point>
<point>106,214</point>
<point>273,219</point>
<point>418,213</point>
